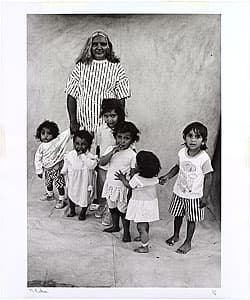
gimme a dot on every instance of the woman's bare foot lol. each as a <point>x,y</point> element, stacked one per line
<point>172,240</point>
<point>184,248</point>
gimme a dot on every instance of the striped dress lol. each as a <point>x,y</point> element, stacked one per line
<point>90,83</point>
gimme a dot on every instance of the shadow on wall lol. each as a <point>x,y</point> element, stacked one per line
<point>216,184</point>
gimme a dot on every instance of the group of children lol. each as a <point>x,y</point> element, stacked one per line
<point>122,179</point>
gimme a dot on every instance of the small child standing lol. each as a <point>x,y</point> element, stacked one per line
<point>112,113</point>
<point>143,205</point>
<point>49,159</point>
<point>119,157</point>
<point>78,168</point>
<point>191,190</point>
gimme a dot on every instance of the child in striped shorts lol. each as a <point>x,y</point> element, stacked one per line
<point>191,189</point>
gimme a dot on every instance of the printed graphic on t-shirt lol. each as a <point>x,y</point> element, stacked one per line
<point>187,176</point>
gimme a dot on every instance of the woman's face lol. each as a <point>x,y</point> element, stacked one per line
<point>100,47</point>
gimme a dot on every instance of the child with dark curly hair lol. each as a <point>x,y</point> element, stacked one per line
<point>192,187</point>
<point>143,205</point>
<point>78,169</point>
<point>119,157</point>
<point>49,159</point>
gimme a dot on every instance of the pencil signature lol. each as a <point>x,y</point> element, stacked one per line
<point>38,291</point>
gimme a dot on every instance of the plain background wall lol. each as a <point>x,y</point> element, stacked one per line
<point>173,63</point>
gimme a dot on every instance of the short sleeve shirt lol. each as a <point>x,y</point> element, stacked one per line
<point>90,83</point>
<point>192,170</point>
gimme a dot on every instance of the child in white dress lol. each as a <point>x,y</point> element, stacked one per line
<point>49,159</point>
<point>78,168</point>
<point>143,205</point>
<point>119,157</point>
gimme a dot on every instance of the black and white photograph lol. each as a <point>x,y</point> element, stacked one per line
<point>122,168</point>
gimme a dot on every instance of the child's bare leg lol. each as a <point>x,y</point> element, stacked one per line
<point>177,226</point>
<point>143,229</point>
<point>186,246</point>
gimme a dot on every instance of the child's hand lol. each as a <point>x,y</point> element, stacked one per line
<point>40,175</point>
<point>120,176</point>
<point>116,149</point>
<point>162,180</point>
<point>203,202</point>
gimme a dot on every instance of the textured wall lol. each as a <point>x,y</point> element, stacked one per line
<point>173,62</point>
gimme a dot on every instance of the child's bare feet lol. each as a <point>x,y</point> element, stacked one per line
<point>141,249</point>
<point>184,248</point>
<point>172,240</point>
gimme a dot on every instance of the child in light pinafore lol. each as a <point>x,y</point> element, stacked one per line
<point>119,157</point>
<point>192,187</point>
<point>143,205</point>
<point>78,169</point>
<point>49,159</point>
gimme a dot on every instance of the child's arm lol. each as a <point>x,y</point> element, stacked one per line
<point>38,163</point>
<point>206,189</point>
<point>164,178</point>
<point>122,177</point>
<point>107,157</point>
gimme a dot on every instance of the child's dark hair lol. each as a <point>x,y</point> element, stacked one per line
<point>86,56</point>
<point>110,104</point>
<point>52,126</point>
<point>148,164</point>
<point>198,128</point>
<point>125,126</point>
<point>84,134</point>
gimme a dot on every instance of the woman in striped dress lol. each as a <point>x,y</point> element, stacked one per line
<point>97,74</point>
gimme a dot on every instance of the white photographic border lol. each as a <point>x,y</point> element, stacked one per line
<point>235,81</point>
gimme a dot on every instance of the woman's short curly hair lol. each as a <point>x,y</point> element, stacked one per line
<point>148,164</point>
<point>52,126</point>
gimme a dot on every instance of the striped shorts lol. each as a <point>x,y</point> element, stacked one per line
<point>190,208</point>
<point>54,175</point>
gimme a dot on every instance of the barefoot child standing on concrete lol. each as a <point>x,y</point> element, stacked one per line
<point>143,205</point>
<point>192,187</point>
<point>119,157</point>
<point>78,169</point>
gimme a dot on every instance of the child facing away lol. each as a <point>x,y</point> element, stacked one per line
<point>112,113</point>
<point>97,74</point>
<point>78,169</point>
<point>119,157</point>
<point>192,187</point>
<point>143,205</point>
<point>49,159</point>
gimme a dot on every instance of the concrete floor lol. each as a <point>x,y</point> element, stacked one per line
<point>66,252</point>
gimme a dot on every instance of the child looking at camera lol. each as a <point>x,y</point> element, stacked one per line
<point>119,157</point>
<point>49,159</point>
<point>78,169</point>
<point>192,187</point>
